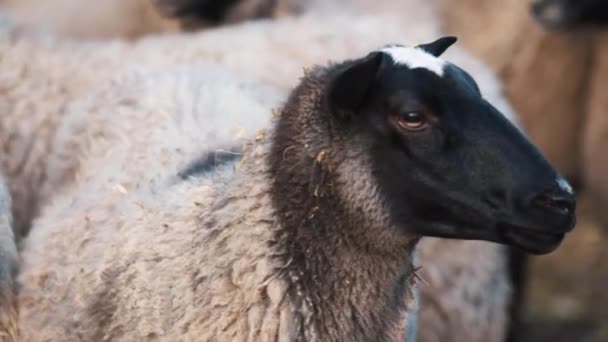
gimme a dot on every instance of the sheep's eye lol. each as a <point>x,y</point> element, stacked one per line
<point>412,121</point>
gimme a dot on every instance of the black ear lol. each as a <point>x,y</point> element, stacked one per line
<point>438,47</point>
<point>348,90</point>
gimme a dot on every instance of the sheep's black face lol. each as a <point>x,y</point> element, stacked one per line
<point>448,163</point>
<point>566,14</point>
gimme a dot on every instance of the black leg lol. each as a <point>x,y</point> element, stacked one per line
<point>518,269</point>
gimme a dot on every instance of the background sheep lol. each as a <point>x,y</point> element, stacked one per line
<point>76,67</point>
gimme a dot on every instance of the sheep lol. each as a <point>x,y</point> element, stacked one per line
<point>131,250</point>
<point>490,283</point>
<point>468,321</point>
<point>307,39</point>
<point>336,34</point>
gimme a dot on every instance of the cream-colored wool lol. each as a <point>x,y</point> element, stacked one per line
<point>126,237</point>
<point>37,79</point>
<point>273,52</point>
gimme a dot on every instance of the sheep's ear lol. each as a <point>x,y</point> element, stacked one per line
<point>438,47</point>
<point>348,90</point>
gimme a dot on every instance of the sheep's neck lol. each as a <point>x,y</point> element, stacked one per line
<point>349,275</point>
<point>345,287</point>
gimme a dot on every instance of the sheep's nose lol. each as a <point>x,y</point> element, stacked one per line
<point>555,206</point>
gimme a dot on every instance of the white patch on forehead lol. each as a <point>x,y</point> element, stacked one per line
<point>415,58</point>
<point>564,185</point>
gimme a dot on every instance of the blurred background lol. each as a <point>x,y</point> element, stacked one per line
<point>552,57</point>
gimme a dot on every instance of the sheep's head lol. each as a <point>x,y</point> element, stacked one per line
<point>196,14</point>
<point>567,14</point>
<point>447,163</point>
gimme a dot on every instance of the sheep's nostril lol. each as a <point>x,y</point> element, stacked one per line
<point>562,204</point>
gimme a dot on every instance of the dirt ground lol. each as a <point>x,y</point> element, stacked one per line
<point>567,295</point>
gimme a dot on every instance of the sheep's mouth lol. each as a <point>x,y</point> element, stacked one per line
<point>529,240</point>
<point>532,240</point>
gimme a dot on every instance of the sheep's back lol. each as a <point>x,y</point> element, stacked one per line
<point>129,250</point>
